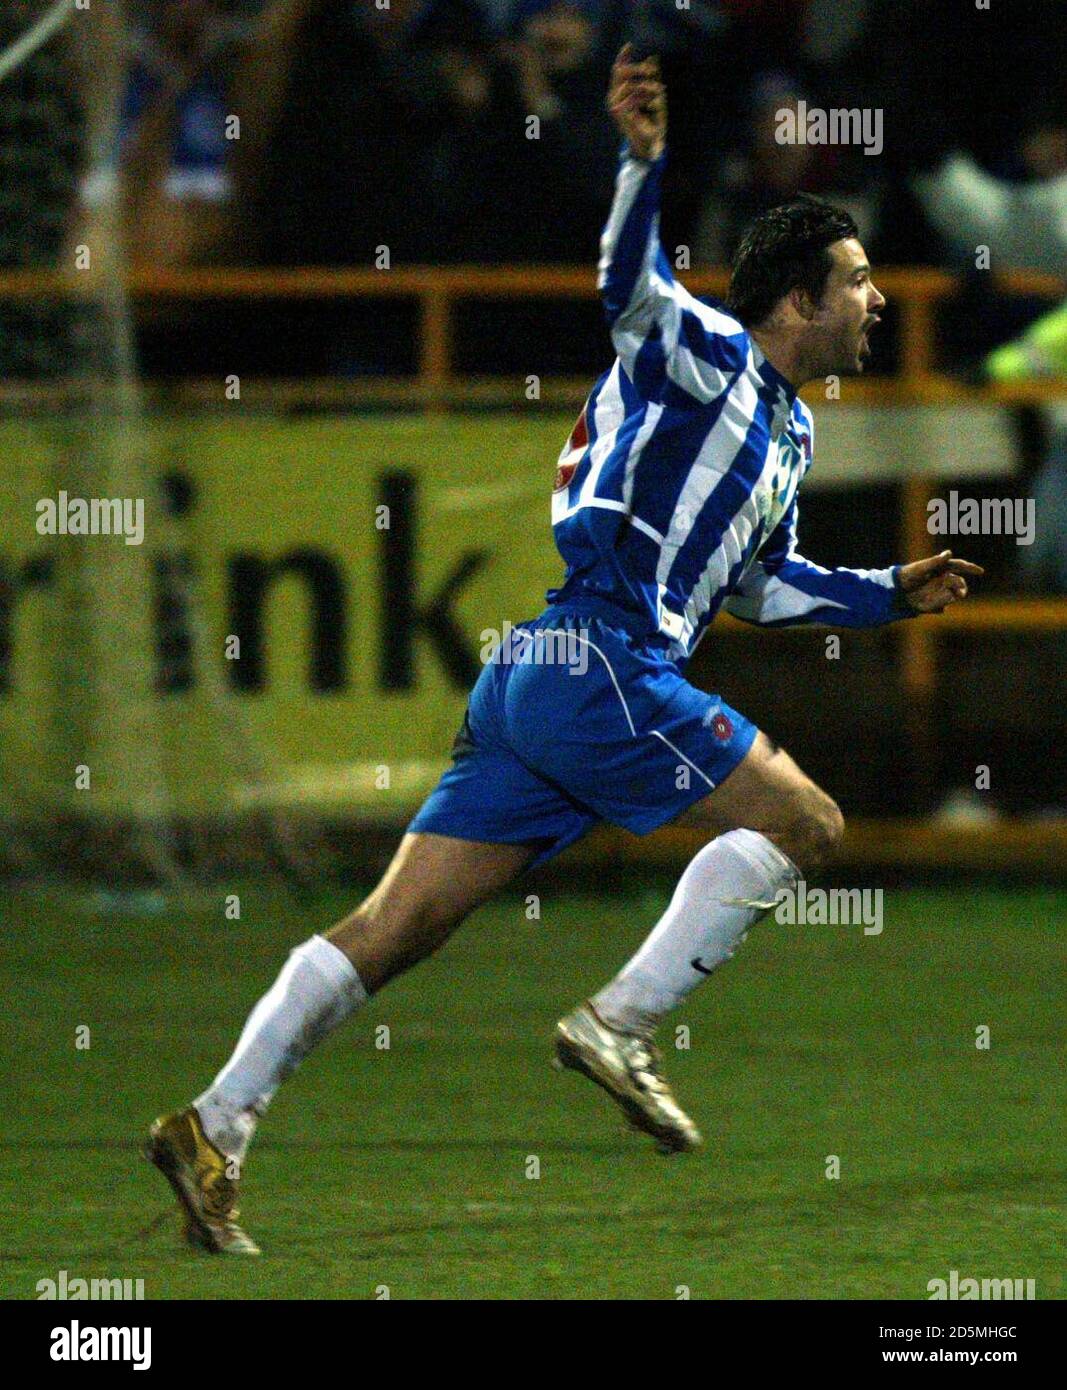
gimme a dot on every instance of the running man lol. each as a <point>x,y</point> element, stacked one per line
<point>675,495</point>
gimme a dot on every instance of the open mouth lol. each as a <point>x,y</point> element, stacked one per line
<point>865,337</point>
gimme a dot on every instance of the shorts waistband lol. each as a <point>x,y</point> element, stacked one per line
<point>608,613</point>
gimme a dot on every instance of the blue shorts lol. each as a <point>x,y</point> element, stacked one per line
<point>576,720</point>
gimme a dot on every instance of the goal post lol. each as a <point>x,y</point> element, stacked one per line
<point>108,769</point>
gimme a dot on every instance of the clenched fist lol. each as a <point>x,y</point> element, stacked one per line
<point>637,101</point>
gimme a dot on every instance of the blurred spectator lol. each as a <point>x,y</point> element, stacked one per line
<point>182,177</point>
<point>829,29</point>
<point>764,172</point>
<point>1024,224</point>
<point>1022,221</point>
<point>498,15</point>
<point>540,186</point>
<point>374,100</point>
<point>1041,352</point>
<point>409,127</point>
<point>1017,211</point>
<point>171,168</point>
<point>554,40</point>
<point>1044,564</point>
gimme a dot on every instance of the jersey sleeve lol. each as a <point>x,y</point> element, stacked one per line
<point>782,589</point>
<point>660,331</point>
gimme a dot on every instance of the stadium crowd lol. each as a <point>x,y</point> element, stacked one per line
<point>408,124</point>
<point>474,131</point>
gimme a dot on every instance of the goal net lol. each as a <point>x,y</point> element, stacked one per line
<point>113,768</point>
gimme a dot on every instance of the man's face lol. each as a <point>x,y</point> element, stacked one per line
<point>848,311</point>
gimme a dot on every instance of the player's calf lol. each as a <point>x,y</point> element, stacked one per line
<point>770,795</point>
<point>382,944</point>
<point>432,884</point>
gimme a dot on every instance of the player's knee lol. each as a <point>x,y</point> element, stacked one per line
<point>384,938</point>
<point>824,827</point>
<point>813,829</point>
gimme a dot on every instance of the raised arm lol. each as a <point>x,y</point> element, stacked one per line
<point>634,272</point>
<point>652,317</point>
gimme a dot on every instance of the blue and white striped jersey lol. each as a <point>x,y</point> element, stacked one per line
<point>676,491</point>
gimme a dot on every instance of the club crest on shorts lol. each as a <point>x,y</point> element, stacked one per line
<point>720,725</point>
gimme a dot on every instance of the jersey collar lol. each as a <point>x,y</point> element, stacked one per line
<point>769,373</point>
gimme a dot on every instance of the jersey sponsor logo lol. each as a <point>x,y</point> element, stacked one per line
<point>788,466</point>
<point>790,459</point>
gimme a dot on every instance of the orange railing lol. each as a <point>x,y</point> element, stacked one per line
<point>438,290</point>
<point>436,385</point>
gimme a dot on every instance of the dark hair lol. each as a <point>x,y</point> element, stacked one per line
<point>785,247</point>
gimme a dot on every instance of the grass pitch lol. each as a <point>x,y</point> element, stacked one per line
<point>409,1167</point>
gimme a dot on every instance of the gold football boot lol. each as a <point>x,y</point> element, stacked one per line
<point>628,1068</point>
<point>197,1172</point>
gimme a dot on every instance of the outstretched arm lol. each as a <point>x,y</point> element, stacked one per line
<point>782,589</point>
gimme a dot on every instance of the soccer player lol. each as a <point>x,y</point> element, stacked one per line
<point>675,495</point>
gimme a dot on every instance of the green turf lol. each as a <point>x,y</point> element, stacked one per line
<point>408,1167</point>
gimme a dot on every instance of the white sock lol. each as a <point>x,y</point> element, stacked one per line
<point>724,891</point>
<point>317,989</point>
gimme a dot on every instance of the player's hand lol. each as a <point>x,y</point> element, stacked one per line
<point>931,585</point>
<point>637,101</point>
